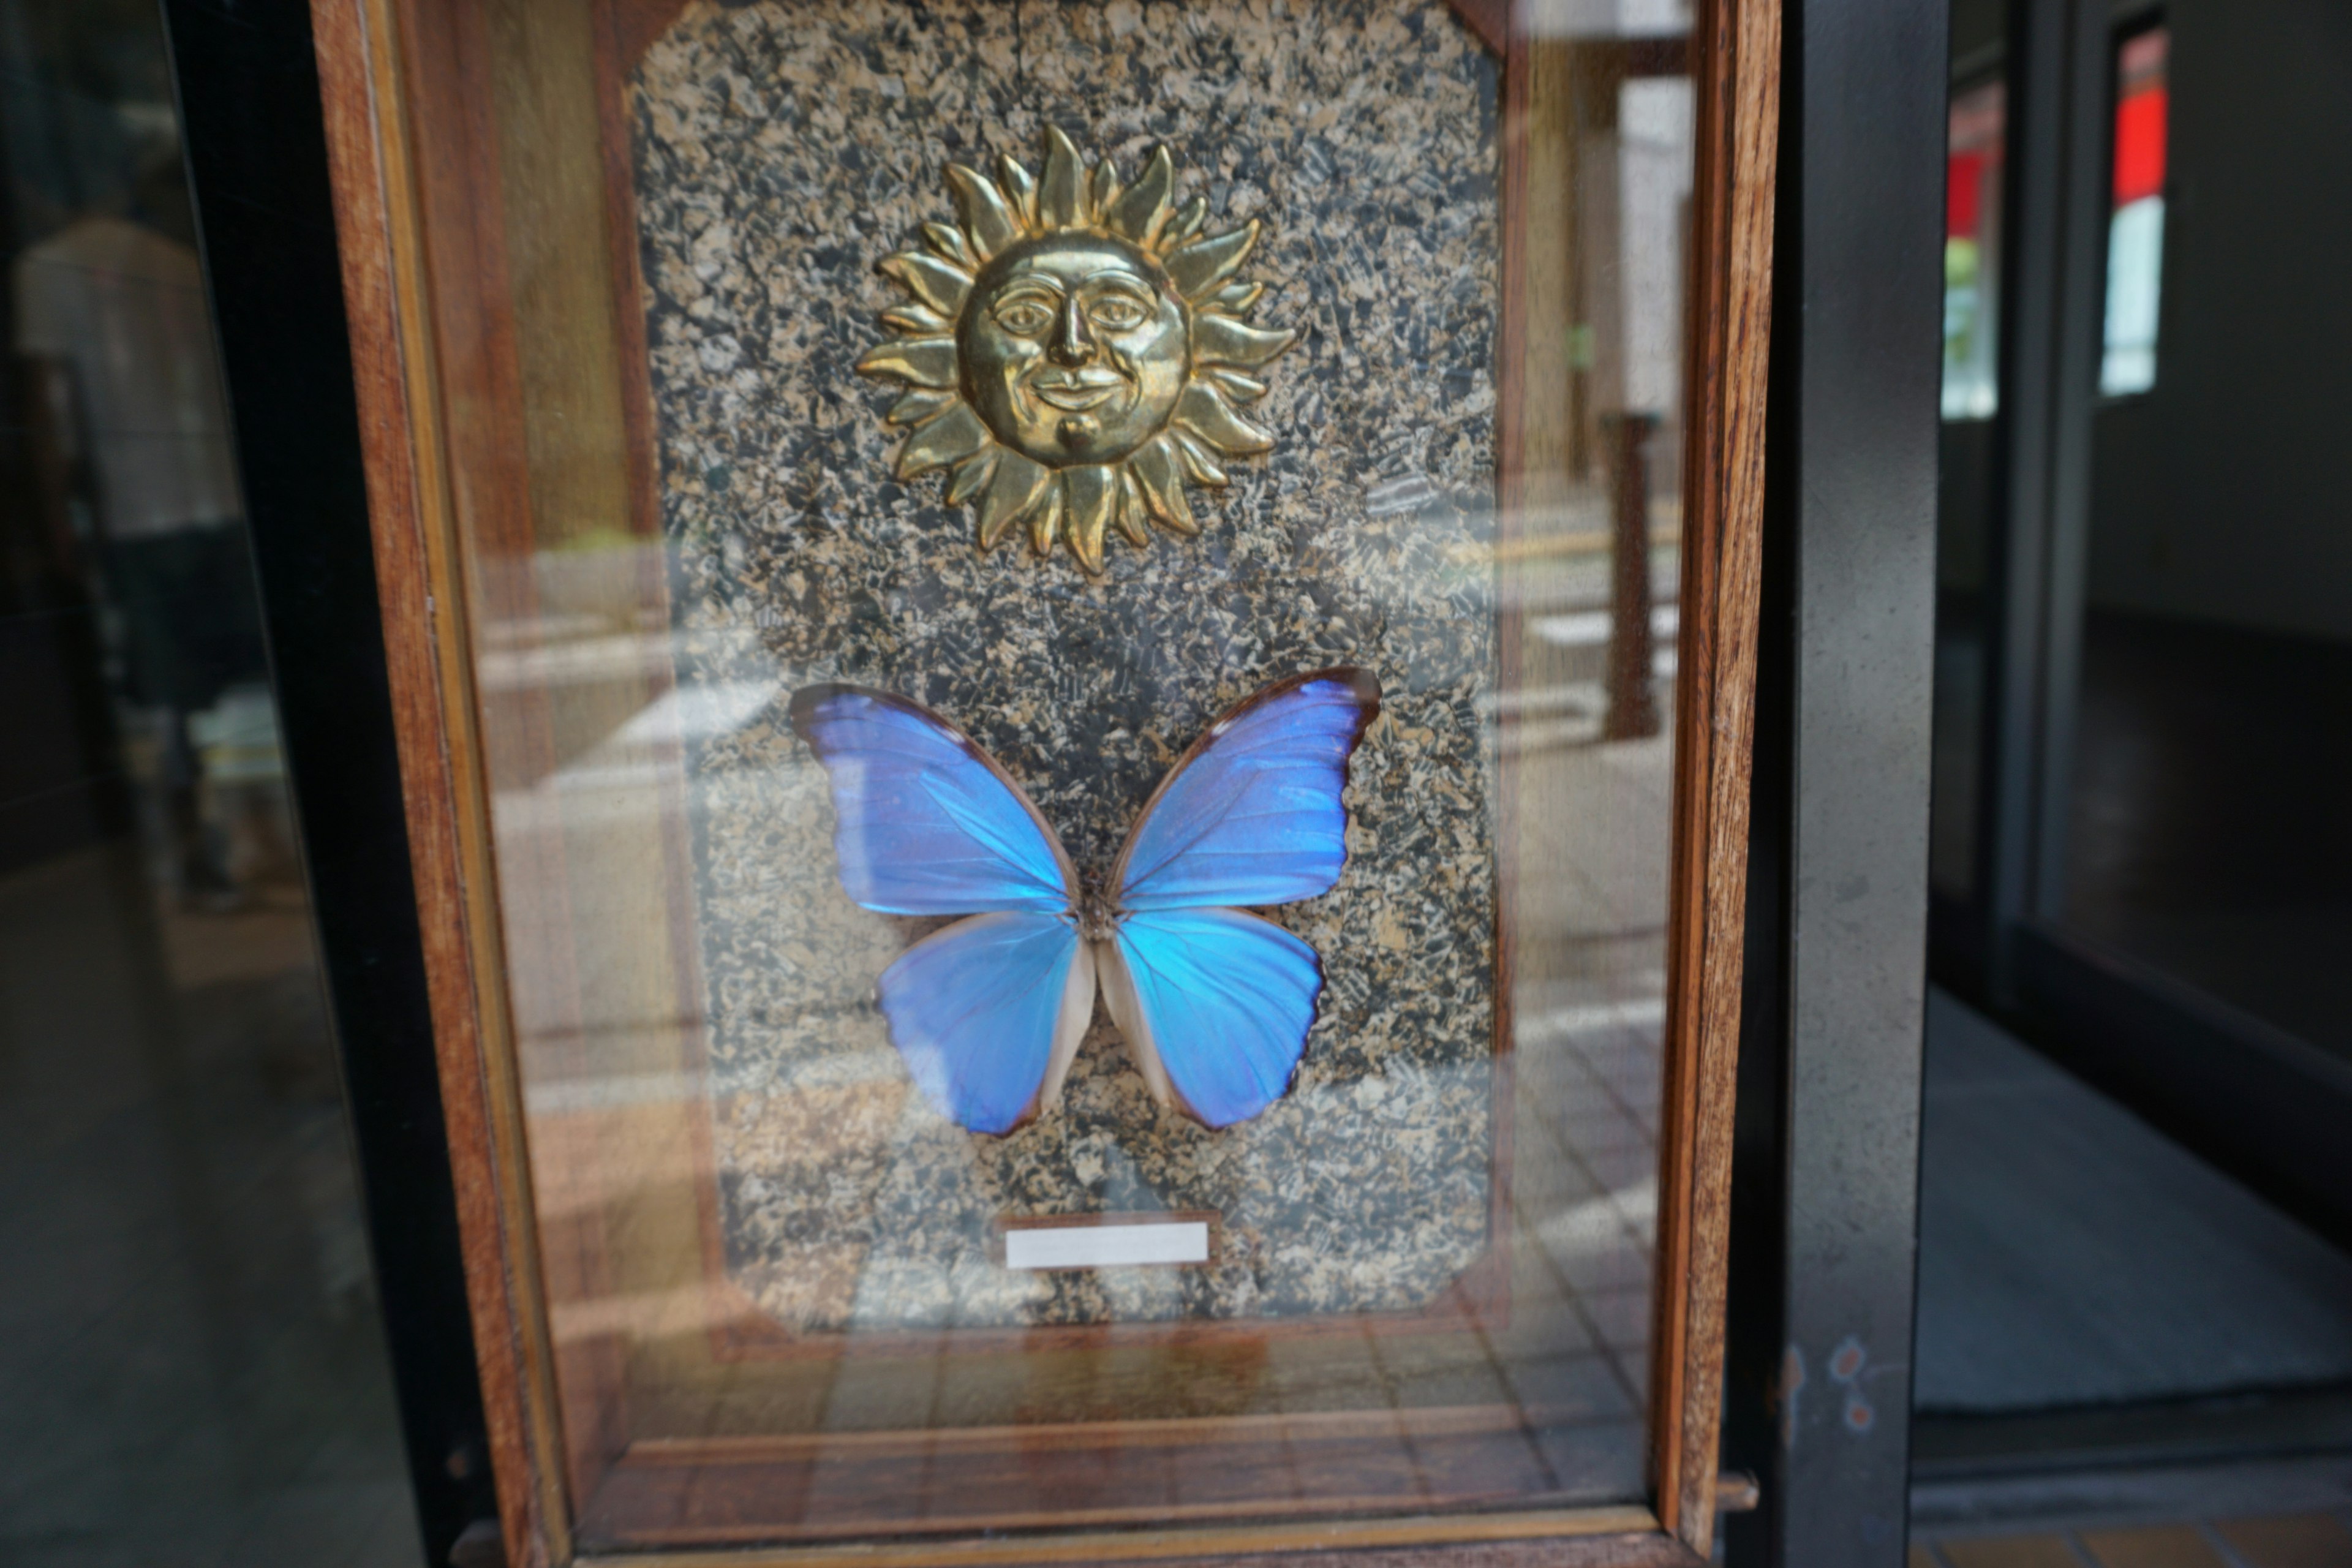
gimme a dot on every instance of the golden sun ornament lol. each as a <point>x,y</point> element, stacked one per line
<point>1073,351</point>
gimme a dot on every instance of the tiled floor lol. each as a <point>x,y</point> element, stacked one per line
<point>2070,1256</point>
<point>2075,1263</point>
<point>191,1373</point>
<point>2277,1540</point>
<point>1589,1017</point>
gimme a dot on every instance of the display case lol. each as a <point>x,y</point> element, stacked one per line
<point>1074,687</point>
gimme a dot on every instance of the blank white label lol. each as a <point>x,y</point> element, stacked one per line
<point>1107,1246</point>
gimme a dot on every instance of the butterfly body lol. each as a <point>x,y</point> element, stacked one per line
<point>1097,914</point>
<point>1214,1002</point>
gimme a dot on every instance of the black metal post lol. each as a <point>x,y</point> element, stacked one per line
<point>1820,1379</point>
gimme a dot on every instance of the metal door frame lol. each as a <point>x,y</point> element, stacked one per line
<point>1826,1169</point>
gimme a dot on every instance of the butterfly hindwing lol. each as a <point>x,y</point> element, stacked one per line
<point>1251,814</point>
<point>926,823</point>
<point>1216,1004</point>
<point>988,1013</point>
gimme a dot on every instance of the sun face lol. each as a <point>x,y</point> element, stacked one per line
<point>1075,351</point>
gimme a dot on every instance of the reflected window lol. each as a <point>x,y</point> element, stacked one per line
<point>194,1369</point>
<point>1972,179</point>
<point>2136,228</point>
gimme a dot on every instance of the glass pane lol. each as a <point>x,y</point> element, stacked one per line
<point>2136,229</point>
<point>1972,186</point>
<point>936,379</point>
<point>192,1369</point>
<point>1974,170</point>
<point>2207,829</point>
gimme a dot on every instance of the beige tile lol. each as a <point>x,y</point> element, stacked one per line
<point>2291,1540</point>
<point>2160,1546</point>
<point>2011,1551</point>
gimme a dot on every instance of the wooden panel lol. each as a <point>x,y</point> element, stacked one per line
<point>2290,1540</point>
<point>1083,1476</point>
<point>2012,1552</point>
<point>1589,1538</point>
<point>2156,1546</point>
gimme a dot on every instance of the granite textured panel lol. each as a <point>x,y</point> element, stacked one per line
<point>779,152</point>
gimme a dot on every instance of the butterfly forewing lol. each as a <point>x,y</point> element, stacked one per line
<point>926,823</point>
<point>1251,814</point>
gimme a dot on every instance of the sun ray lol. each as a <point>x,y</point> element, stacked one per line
<point>1130,517</point>
<point>951,437</point>
<point>1154,467</point>
<point>1045,524</point>
<point>1237,298</point>
<point>1092,491</point>
<point>1102,434</point>
<point>1202,265</point>
<point>1019,188</point>
<point>989,220</point>
<point>1201,412</point>
<point>949,245</point>
<point>1237,386</point>
<point>919,405</point>
<point>1189,220</point>
<point>1014,490</point>
<point>1061,189</point>
<point>919,361</point>
<point>938,284</point>
<point>917,320</point>
<point>1218,340</point>
<point>1141,210</point>
<point>1198,467</point>
<point>972,475</point>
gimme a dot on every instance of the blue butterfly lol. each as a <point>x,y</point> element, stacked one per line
<point>988,1013</point>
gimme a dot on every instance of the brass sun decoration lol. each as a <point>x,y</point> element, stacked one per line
<point>1074,350</point>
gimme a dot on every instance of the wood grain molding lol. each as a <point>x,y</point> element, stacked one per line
<point>1583,1538</point>
<point>1731,285</point>
<point>396,380</point>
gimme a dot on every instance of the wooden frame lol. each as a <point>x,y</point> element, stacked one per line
<point>439,388</point>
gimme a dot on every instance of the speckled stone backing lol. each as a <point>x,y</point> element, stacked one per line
<point>781,151</point>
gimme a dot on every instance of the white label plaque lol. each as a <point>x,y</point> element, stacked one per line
<point>1105,1246</point>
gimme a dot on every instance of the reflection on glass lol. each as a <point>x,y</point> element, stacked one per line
<point>2136,228</point>
<point>1972,185</point>
<point>2205,832</point>
<point>193,1369</point>
<point>794,1300</point>
<point>1976,144</point>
